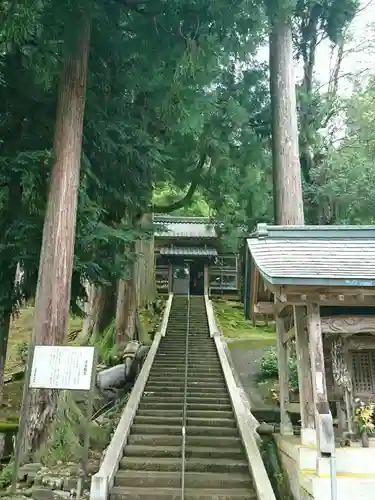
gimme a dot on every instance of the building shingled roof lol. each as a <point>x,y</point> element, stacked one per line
<point>184,227</point>
<point>189,251</point>
<point>315,255</point>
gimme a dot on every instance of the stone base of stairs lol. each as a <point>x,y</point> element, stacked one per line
<point>310,478</point>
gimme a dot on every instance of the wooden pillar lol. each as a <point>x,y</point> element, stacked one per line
<point>306,397</point>
<point>286,427</point>
<point>317,364</point>
<point>170,277</point>
<point>205,276</point>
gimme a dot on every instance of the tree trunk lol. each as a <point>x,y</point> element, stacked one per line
<point>56,260</point>
<point>93,309</point>
<point>126,311</point>
<point>288,201</point>
<point>8,304</point>
<point>107,311</point>
<point>144,273</point>
<point>100,312</point>
<point>4,335</point>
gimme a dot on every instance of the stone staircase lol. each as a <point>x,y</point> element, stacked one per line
<point>215,465</point>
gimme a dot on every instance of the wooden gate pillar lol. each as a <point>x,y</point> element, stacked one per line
<point>317,364</point>
<point>286,427</point>
<point>306,398</point>
<point>205,277</point>
<point>170,277</point>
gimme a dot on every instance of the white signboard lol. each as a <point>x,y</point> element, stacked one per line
<point>61,367</point>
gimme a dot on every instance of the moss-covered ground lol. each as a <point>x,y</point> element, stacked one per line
<point>20,334</point>
<point>233,325</point>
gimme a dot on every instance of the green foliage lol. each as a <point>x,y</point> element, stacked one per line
<point>163,90</point>
<point>268,364</point>
<point>165,194</point>
<point>269,368</point>
<point>106,344</point>
<point>6,475</point>
<point>343,186</point>
<point>22,351</point>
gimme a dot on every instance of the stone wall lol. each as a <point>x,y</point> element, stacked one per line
<point>53,483</point>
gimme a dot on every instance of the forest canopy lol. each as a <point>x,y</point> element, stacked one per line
<point>155,106</point>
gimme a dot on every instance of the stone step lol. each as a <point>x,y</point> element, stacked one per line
<point>192,451</point>
<point>155,479</point>
<point>196,350</point>
<point>168,370</point>
<point>167,398</point>
<point>161,356</point>
<point>168,412</point>
<point>202,396</point>
<point>193,344</point>
<point>193,365</point>
<point>119,493</point>
<point>179,375</point>
<point>201,356</point>
<point>166,390</point>
<point>172,440</point>
<point>194,421</point>
<point>167,464</point>
<point>192,389</point>
<point>196,374</point>
<point>212,383</point>
<point>191,406</point>
<point>175,430</point>
<point>198,319</point>
<point>200,326</point>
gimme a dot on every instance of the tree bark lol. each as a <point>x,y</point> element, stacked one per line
<point>100,312</point>
<point>8,270</point>
<point>4,334</point>
<point>144,273</point>
<point>288,201</point>
<point>107,311</point>
<point>126,311</point>
<point>8,305</point>
<point>56,260</point>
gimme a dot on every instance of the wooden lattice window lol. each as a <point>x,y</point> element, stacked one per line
<point>363,370</point>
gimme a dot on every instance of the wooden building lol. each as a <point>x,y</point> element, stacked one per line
<point>319,283</point>
<point>188,257</point>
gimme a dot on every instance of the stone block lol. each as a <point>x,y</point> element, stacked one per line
<point>265,429</point>
<point>70,483</point>
<point>46,494</point>
<point>54,482</point>
<point>29,471</point>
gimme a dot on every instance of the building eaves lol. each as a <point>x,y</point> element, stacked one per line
<point>315,255</point>
<point>189,251</point>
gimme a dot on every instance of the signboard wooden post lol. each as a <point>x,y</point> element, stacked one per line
<point>60,368</point>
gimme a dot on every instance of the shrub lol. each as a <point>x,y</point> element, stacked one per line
<point>268,364</point>
<point>269,368</point>
<point>22,351</point>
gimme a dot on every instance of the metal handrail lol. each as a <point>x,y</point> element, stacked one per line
<point>184,414</point>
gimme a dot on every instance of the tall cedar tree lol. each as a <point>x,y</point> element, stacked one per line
<point>56,259</point>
